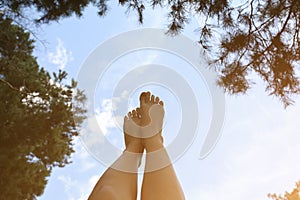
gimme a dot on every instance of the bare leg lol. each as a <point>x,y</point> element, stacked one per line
<point>160,181</point>
<point>119,182</point>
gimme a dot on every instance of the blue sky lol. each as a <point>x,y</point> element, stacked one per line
<point>256,154</point>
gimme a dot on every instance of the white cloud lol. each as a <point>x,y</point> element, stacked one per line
<point>105,115</point>
<point>78,185</point>
<point>90,132</point>
<point>76,190</point>
<point>97,128</point>
<point>86,161</point>
<point>69,185</point>
<point>87,189</point>
<point>61,56</point>
<point>83,189</point>
<point>102,120</point>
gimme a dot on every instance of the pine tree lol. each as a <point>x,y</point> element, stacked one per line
<point>241,37</point>
<point>37,117</point>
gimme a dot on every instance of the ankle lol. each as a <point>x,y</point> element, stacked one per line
<point>135,148</point>
<point>153,143</point>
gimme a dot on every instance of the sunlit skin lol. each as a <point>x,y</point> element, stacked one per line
<point>160,184</point>
<point>117,184</point>
<point>160,181</point>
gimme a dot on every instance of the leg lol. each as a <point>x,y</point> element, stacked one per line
<point>119,182</point>
<point>160,181</point>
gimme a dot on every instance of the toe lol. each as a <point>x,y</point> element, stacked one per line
<point>129,114</point>
<point>143,96</point>
<point>152,98</point>
<point>161,103</point>
<point>134,113</point>
<point>147,97</point>
<point>138,111</point>
<point>156,100</point>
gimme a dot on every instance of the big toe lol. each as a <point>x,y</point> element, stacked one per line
<point>145,97</point>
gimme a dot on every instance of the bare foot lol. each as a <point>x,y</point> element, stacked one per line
<point>148,120</point>
<point>152,113</point>
<point>146,102</point>
<point>133,142</point>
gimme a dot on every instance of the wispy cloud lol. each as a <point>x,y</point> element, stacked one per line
<point>87,189</point>
<point>60,56</point>
<point>100,126</point>
<point>78,184</point>
<point>76,190</point>
<point>69,185</point>
<point>102,121</point>
<point>105,115</point>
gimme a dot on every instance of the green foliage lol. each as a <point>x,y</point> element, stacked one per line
<point>37,113</point>
<point>49,10</point>
<point>264,39</point>
<point>260,37</point>
<point>294,195</point>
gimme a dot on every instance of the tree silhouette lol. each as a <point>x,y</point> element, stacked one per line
<point>37,111</point>
<point>47,10</point>
<point>294,195</point>
<point>248,37</point>
<point>37,117</point>
<point>255,36</point>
